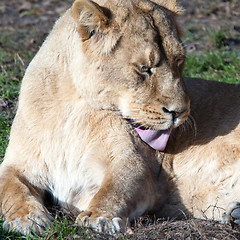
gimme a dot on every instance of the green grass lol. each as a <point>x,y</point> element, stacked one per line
<point>4,133</point>
<point>12,67</point>
<point>60,229</point>
<point>11,73</point>
<point>220,65</point>
<point>219,38</point>
<point>6,235</point>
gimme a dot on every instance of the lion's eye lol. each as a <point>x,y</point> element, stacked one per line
<point>92,33</point>
<point>145,69</point>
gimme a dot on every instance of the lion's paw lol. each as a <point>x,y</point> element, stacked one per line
<point>113,226</point>
<point>232,214</point>
<point>29,224</point>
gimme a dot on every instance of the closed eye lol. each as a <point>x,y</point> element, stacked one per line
<point>145,70</point>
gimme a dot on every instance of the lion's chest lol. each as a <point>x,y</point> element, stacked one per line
<point>76,184</point>
<point>77,171</point>
<point>74,158</point>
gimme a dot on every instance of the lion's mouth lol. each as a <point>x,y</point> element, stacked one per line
<point>156,139</point>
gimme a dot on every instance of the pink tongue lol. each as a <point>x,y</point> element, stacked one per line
<point>156,139</point>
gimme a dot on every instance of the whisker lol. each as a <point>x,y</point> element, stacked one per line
<point>189,123</point>
<point>193,124</point>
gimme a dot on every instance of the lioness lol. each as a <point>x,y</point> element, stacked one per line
<point>106,80</point>
<point>97,106</point>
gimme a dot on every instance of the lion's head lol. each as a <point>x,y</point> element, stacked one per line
<point>128,57</point>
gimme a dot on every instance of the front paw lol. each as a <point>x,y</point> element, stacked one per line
<point>32,223</point>
<point>113,226</point>
<point>232,214</point>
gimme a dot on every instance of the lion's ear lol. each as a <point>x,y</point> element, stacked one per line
<point>89,16</point>
<point>171,5</point>
<point>175,8</point>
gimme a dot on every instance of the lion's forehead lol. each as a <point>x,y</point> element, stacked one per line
<point>151,33</point>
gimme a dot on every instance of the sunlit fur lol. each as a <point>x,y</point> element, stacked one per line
<point>71,135</point>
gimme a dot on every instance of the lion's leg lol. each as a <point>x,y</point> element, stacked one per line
<point>101,215</point>
<point>21,203</point>
<point>123,193</point>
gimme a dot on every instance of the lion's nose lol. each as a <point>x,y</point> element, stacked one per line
<point>175,113</point>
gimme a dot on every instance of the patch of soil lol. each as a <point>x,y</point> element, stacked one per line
<point>25,24</point>
<point>185,229</point>
<point>202,18</point>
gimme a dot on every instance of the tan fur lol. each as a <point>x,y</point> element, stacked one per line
<point>202,159</point>
<point>71,135</point>
<point>172,5</point>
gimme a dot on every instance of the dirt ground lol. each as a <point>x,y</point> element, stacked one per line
<point>202,18</point>
<point>25,24</point>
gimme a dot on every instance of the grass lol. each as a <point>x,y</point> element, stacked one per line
<point>11,71</point>
<point>4,133</point>
<point>60,229</point>
<point>221,64</point>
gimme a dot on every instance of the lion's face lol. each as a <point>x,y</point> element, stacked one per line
<point>138,58</point>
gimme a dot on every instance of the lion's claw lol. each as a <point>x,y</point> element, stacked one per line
<point>232,214</point>
<point>236,213</point>
<point>104,225</point>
